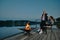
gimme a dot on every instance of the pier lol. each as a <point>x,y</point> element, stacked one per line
<point>51,35</point>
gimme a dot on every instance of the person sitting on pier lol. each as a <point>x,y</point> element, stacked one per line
<point>28,28</point>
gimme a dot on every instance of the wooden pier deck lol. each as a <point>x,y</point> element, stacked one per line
<point>54,35</point>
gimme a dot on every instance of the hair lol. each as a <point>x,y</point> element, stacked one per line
<point>52,18</point>
<point>46,14</point>
<point>28,23</point>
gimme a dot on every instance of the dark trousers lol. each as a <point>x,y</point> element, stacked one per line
<point>28,32</point>
<point>45,29</point>
<point>43,26</point>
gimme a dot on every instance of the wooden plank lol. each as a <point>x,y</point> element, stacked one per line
<point>31,37</point>
<point>56,36</point>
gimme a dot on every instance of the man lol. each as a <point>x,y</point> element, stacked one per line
<point>44,19</point>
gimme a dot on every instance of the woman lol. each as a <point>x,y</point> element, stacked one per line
<point>27,28</point>
<point>50,22</point>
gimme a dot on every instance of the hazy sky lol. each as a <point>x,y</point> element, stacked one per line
<point>28,9</point>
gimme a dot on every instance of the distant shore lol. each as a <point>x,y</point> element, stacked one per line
<point>10,23</point>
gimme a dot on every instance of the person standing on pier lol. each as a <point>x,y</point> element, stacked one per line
<point>44,19</point>
<point>50,22</point>
<point>28,28</point>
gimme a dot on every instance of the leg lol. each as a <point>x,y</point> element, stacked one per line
<point>46,30</point>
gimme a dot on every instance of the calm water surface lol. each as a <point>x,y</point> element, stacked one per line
<point>7,31</point>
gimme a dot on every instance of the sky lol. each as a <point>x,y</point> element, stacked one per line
<point>28,9</point>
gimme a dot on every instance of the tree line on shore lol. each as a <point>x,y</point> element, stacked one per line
<point>57,23</point>
<point>10,23</point>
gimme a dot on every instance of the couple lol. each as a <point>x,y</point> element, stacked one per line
<point>45,22</point>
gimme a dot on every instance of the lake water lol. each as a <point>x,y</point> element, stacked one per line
<point>7,31</point>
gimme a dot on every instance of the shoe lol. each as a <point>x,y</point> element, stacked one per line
<point>40,32</point>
